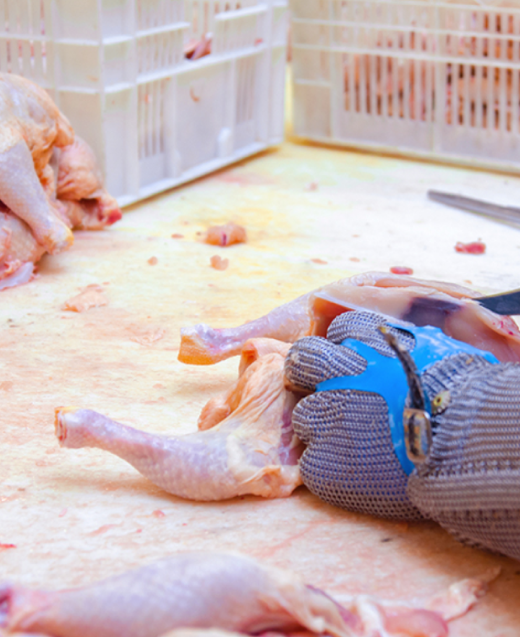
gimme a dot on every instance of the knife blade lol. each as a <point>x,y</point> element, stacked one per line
<point>507,303</point>
<point>504,213</point>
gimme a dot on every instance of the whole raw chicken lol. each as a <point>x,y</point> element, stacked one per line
<point>49,180</point>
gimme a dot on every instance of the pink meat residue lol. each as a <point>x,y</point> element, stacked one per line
<point>226,235</point>
<point>401,269</point>
<point>219,263</point>
<point>91,296</point>
<point>475,247</point>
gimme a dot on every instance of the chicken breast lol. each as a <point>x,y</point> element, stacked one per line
<point>245,443</point>
<point>449,307</point>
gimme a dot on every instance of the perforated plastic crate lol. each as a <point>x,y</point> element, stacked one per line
<point>431,78</point>
<point>154,118</point>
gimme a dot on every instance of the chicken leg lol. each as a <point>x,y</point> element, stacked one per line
<point>22,192</point>
<point>246,444</point>
<point>223,595</point>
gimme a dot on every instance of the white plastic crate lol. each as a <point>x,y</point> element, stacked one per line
<point>155,119</point>
<point>429,78</point>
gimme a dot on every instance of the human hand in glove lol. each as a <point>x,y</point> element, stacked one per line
<point>352,426</point>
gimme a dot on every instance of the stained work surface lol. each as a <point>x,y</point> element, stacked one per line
<point>312,216</point>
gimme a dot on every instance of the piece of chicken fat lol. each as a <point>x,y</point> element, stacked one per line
<point>245,443</point>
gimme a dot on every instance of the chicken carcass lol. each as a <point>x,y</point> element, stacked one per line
<point>49,179</point>
<point>216,595</point>
<point>447,306</point>
<point>245,443</point>
<point>31,126</point>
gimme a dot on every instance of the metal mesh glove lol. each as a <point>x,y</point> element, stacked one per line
<point>350,459</point>
<point>470,482</point>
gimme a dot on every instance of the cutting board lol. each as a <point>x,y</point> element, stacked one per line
<point>312,215</point>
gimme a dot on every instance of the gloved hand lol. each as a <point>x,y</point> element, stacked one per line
<point>355,454</point>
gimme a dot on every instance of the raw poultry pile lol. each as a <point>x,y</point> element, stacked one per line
<point>479,95</point>
<point>49,181</point>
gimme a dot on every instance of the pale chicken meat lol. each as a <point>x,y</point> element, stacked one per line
<point>221,595</point>
<point>245,443</point>
<point>49,179</point>
<point>444,305</point>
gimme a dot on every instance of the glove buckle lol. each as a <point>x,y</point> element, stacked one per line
<point>417,434</point>
<point>416,420</point>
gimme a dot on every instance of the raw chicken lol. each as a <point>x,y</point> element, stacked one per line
<point>217,595</point>
<point>79,188</point>
<point>30,127</point>
<point>245,445</point>
<point>443,305</point>
<point>226,235</point>
<point>49,180</point>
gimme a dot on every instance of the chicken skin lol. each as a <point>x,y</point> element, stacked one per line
<point>49,179</point>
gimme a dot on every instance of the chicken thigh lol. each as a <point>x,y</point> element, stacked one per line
<point>245,445</point>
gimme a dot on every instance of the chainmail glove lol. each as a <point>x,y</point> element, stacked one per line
<point>470,482</point>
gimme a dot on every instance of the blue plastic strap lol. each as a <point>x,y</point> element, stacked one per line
<point>385,376</point>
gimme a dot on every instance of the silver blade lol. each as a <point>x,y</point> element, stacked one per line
<point>504,304</point>
<point>504,213</point>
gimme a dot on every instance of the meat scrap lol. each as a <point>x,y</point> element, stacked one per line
<point>196,49</point>
<point>226,235</point>
<point>401,269</point>
<point>92,296</point>
<point>245,443</point>
<point>147,336</point>
<point>444,305</point>
<point>49,179</point>
<point>475,247</point>
<point>218,263</point>
<point>218,595</point>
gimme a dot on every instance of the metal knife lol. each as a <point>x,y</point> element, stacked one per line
<point>504,213</point>
<point>506,303</point>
